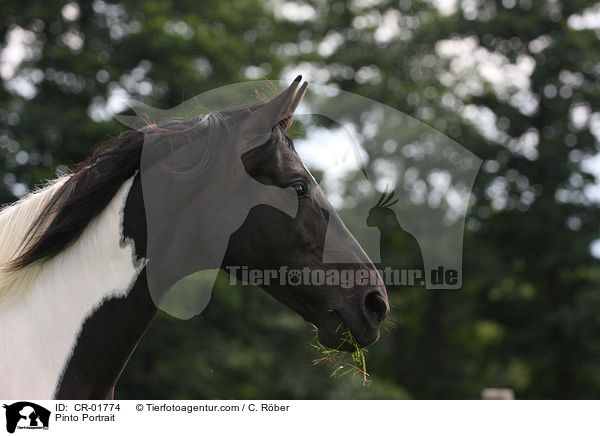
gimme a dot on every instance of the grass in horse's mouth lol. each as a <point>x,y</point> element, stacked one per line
<point>344,362</point>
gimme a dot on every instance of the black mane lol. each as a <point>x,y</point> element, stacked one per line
<point>87,192</point>
<point>81,198</point>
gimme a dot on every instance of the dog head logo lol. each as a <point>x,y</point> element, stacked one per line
<point>26,415</point>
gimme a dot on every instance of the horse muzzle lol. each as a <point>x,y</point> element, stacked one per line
<point>344,328</point>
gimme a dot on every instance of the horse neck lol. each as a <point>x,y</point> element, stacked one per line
<point>74,326</point>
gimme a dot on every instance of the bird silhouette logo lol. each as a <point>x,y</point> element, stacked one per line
<point>398,249</point>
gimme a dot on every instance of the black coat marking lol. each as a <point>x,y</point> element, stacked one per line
<point>111,333</point>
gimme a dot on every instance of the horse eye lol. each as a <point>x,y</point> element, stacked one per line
<point>299,188</point>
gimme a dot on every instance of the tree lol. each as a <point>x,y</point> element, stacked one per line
<point>515,82</point>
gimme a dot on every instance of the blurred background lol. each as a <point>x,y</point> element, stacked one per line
<point>515,81</point>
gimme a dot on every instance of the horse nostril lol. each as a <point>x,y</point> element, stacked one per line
<point>376,306</point>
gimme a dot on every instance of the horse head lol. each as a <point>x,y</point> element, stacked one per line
<point>228,189</point>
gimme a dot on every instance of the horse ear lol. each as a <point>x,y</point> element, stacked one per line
<point>298,97</point>
<point>287,121</point>
<point>267,115</point>
<point>283,106</point>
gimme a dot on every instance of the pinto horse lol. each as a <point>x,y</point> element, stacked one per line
<point>74,282</point>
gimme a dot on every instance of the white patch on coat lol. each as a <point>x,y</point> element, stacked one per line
<point>15,222</point>
<point>40,325</point>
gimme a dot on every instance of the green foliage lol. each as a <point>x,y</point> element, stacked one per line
<point>527,314</point>
<point>344,362</point>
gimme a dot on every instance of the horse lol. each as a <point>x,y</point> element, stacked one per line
<point>75,294</point>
